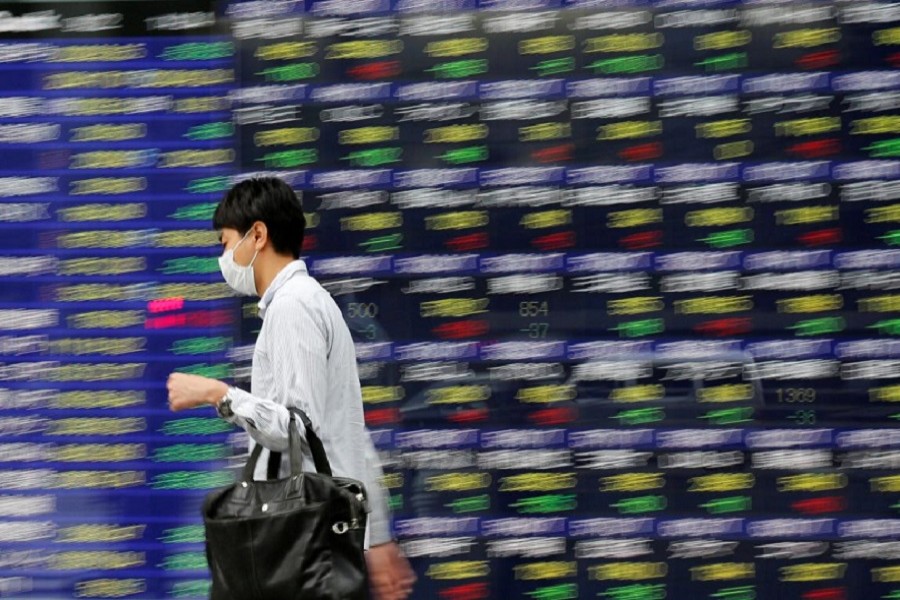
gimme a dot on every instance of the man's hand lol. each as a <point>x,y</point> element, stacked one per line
<point>390,576</point>
<point>190,391</point>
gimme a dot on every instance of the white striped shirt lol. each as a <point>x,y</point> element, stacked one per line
<point>304,357</point>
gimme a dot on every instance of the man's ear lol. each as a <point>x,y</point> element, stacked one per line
<point>260,235</point>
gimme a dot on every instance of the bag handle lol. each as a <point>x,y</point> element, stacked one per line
<point>315,445</point>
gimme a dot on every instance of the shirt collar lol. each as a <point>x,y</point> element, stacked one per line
<point>292,268</point>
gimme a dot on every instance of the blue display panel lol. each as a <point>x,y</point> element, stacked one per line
<point>622,274</point>
<point>623,278</point>
<point>116,137</point>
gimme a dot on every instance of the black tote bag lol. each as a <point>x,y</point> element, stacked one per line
<point>285,539</point>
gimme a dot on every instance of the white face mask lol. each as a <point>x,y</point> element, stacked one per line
<point>238,277</point>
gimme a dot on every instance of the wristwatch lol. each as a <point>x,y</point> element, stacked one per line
<point>223,407</point>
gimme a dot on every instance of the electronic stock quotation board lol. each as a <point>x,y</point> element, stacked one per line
<point>623,277</point>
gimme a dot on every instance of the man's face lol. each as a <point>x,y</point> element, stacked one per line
<point>243,246</point>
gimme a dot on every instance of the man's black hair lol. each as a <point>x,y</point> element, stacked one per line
<point>266,199</point>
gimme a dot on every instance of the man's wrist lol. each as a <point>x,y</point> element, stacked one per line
<point>217,392</point>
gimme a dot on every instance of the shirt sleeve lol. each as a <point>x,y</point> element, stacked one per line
<point>380,517</point>
<point>298,353</point>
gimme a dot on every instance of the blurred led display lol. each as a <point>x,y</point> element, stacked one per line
<point>623,277</point>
